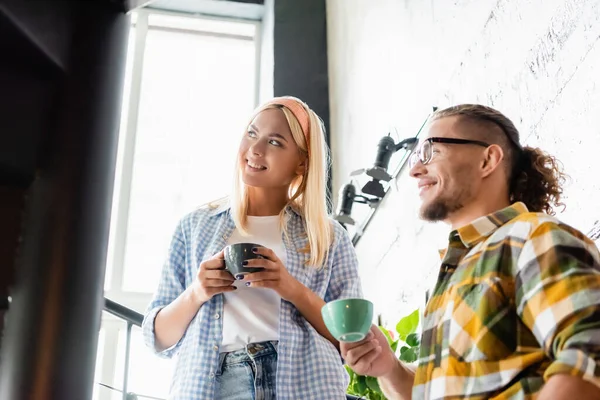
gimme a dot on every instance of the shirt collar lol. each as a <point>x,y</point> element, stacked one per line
<point>224,205</point>
<point>218,207</point>
<point>462,239</point>
<point>483,227</point>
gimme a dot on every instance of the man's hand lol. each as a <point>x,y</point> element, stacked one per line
<point>371,356</point>
<point>565,387</point>
<point>374,357</point>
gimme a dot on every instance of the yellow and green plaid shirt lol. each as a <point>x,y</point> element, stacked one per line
<point>517,301</point>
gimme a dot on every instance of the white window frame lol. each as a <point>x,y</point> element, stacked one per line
<point>121,201</point>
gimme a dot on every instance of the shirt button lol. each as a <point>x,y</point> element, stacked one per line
<point>217,316</point>
<point>211,376</point>
<point>216,348</point>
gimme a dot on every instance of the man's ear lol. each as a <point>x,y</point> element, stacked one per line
<point>493,157</point>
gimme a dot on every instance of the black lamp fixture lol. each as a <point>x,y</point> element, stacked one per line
<point>385,149</point>
<point>347,199</point>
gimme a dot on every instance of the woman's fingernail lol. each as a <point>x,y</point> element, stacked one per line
<point>245,262</point>
<point>254,249</point>
<point>239,277</point>
<point>247,283</point>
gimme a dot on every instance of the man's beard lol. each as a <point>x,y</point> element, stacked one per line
<point>440,209</point>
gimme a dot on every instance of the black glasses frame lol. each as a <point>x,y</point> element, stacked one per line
<point>416,154</point>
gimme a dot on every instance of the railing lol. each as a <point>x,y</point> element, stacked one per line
<point>132,318</point>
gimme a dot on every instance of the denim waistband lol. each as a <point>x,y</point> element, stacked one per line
<point>251,351</point>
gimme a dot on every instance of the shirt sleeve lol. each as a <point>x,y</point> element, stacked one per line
<point>344,281</point>
<point>558,298</point>
<point>172,284</point>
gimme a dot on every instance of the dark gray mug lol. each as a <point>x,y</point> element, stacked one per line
<point>236,254</point>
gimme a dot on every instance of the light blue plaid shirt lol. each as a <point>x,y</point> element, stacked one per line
<point>309,366</point>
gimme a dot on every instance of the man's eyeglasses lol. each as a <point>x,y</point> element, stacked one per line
<point>424,151</point>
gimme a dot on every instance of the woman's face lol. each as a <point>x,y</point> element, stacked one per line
<point>268,155</point>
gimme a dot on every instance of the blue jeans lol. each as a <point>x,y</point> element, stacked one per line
<point>248,374</point>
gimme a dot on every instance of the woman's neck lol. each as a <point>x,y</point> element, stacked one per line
<point>265,202</point>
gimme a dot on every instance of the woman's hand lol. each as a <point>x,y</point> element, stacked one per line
<point>275,276</point>
<point>212,279</point>
<point>172,322</point>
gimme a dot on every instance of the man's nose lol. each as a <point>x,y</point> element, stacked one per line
<point>417,169</point>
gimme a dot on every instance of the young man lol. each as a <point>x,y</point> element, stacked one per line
<point>515,313</point>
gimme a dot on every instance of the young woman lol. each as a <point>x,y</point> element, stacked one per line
<point>259,336</point>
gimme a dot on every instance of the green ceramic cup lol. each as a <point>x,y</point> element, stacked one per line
<point>348,320</point>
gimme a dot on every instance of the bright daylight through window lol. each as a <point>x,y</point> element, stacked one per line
<point>190,84</point>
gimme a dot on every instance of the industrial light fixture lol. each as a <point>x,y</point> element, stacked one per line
<point>385,149</point>
<point>347,199</point>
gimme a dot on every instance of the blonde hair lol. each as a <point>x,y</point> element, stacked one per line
<point>307,193</point>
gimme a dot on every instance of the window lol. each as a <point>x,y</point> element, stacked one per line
<point>148,375</point>
<point>190,85</point>
<point>98,372</point>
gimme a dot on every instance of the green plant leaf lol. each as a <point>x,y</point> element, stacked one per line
<point>373,385</point>
<point>408,325</point>
<point>350,390</point>
<point>371,395</point>
<point>387,335</point>
<point>351,373</point>
<point>361,385</point>
<point>355,388</point>
<point>412,340</point>
<point>403,349</point>
<point>394,346</point>
<point>409,355</point>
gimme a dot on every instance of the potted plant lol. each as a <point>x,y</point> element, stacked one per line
<point>406,348</point>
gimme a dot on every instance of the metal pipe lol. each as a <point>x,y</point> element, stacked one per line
<point>126,313</point>
<point>126,368</point>
<point>360,231</point>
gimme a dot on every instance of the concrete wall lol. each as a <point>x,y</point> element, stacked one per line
<point>391,60</point>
